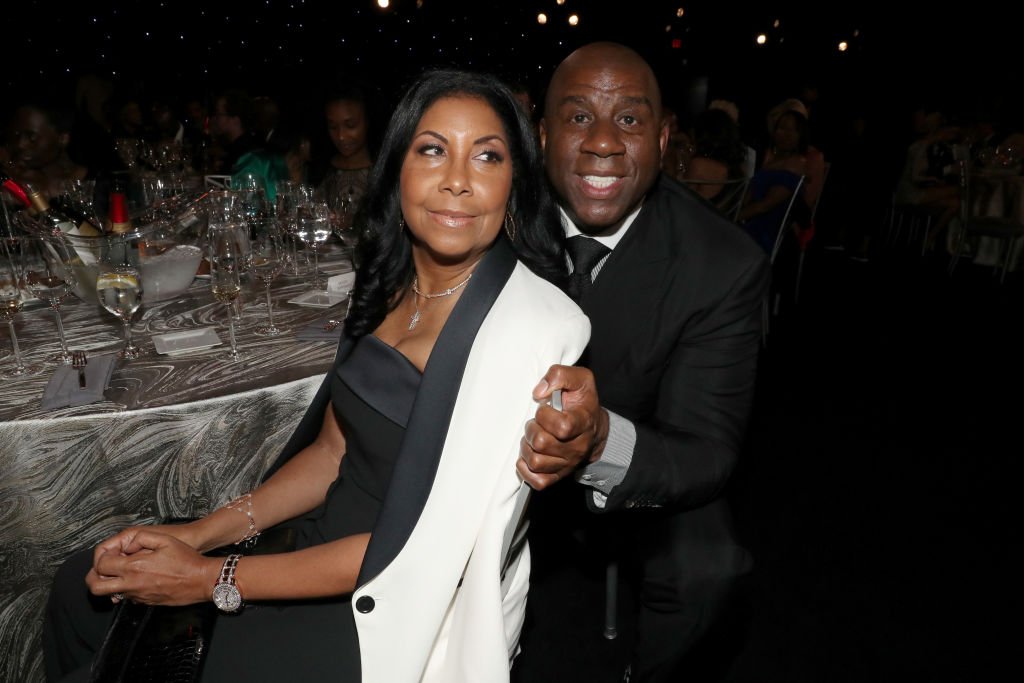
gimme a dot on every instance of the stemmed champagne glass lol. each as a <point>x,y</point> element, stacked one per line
<point>119,289</point>
<point>249,189</point>
<point>227,213</point>
<point>268,260</point>
<point>343,209</point>
<point>50,277</point>
<point>224,274</point>
<point>289,195</point>
<point>12,277</point>
<point>313,227</point>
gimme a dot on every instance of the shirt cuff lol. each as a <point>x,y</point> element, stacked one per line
<point>610,469</point>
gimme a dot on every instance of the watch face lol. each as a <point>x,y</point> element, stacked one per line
<point>226,597</point>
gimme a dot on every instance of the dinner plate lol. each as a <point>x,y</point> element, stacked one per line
<point>186,340</point>
<point>318,299</point>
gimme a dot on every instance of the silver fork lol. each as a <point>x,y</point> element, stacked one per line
<point>78,361</point>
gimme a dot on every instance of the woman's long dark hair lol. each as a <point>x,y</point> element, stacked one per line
<point>385,250</point>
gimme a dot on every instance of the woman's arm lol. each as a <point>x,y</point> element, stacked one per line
<point>298,487</point>
<point>160,570</point>
<point>163,565</point>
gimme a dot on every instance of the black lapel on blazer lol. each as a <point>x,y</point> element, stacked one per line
<point>310,424</point>
<point>428,423</point>
<point>620,299</point>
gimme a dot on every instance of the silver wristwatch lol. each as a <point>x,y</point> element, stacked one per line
<point>226,596</point>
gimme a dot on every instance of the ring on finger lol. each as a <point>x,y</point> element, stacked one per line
<point>117,597</point>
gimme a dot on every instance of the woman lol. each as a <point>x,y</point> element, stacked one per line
<point>400,480</point>
<point>719,155</point>
<point>814,175</point>
<point>772,186</point>
<point>344,184</point>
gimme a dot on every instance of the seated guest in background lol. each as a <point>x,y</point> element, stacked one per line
<point>676,155</point>
<point>401,479</point>
<point>346,113</point>
<point>266,118</point>
<point>750,155</point>
<point>521,90</point>
<point>814,174</point>
<point>196,136</point>
<point>929,178</point>
<point>295,147</point>
<point>166,137</point>
<point>231,128</point>
<point>774,183</point>
<point>38,135</point>
<point>243,153</point>
<point>719,154</point>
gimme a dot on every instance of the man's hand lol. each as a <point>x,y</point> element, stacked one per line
<point>556,442</point>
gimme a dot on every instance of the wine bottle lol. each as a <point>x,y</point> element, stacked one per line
<point>14,189</point>
<point>117,216</point>
<point>47,215</point>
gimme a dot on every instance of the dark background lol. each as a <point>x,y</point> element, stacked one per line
<point>959,58</point>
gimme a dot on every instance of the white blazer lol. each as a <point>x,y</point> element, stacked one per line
<point>437,611</point>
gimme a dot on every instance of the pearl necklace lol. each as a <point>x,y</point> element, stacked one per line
<point>415,288</point>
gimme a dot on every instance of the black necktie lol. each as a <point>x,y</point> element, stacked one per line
<point>585,253</point>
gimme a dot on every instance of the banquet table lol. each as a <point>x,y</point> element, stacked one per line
<point>175,436</point>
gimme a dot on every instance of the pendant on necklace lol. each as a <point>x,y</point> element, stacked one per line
<point>414,319</point>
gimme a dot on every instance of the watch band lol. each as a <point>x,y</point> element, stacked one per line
<point>226,595</point>
<point>227,572</point>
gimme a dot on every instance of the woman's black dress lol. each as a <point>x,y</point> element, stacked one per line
<point>372,393</point>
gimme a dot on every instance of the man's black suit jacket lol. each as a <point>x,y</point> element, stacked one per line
<point>676,316</point>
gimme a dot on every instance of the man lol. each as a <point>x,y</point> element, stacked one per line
<point>675,303</point>
<point>267,117</point>
<point>230,126</point>
<point>38,135</point>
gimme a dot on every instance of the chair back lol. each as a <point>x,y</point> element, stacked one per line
<point>984,192</point>
<point>784,224</point>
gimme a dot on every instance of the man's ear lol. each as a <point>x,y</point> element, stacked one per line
<point>542,131</point>
<point>663,136</point>
<point>63,139</point>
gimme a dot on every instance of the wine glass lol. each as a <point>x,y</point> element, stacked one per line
<point>128,150</point>
<point>268,260</point>
<point>343,210</point>
<point>12,277</point>
<point>224,274</point>
<point>119,289</point>
<point>289,195</point>
<point>313,227</point>
<point>79,191</point>
<point>49,276</point>
<point>227,212</point>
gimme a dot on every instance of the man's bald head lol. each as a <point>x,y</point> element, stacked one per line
<point>608,57</point>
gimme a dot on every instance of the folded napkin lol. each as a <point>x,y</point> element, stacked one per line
<point>341,284</point>
<point>315,331</point>
<point>63,391</point>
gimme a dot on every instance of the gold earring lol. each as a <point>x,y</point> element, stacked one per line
<point>510,227</point>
